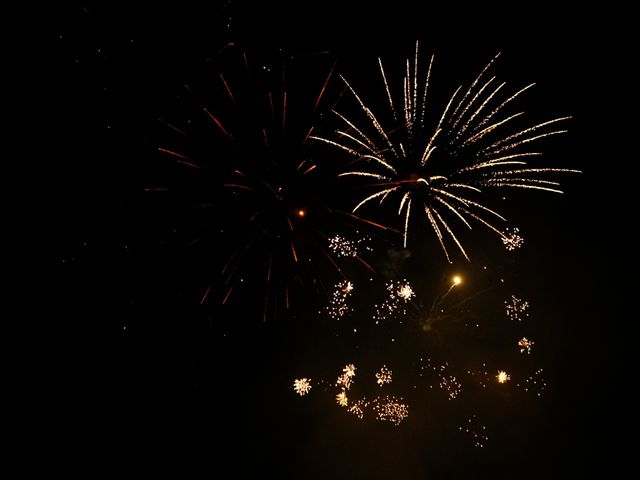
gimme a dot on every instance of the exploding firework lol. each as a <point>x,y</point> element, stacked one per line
<point>341,399</point>
<point>272,212</point>
<point>512,240</point>
<point>384,376</point>
<point>302,386</point>
<point>502,376</point>
<point>525,345</point>
<point>437,163</point>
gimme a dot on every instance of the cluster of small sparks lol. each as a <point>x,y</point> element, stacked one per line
<point>451,386</point>
<point>383,376</point>
<point>400,160</point>
<point>400,293</point>
<point>390,409</point>
<point>339,304</point>
<point>448,383</point>
<point>525,345</point>
<point>482,375</point>
<point>346,378</point>
<point>385,408</point>
<point>345,247</point>
<point>512,240</point>
<point>302,386</point>
<point>535,383</point>
<point>476,431</point>
<point>516,308</point>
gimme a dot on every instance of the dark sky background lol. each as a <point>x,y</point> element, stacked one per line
<point>136,380</point>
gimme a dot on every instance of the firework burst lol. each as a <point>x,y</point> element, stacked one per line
<point>272,213</point>
<point>437,163</point>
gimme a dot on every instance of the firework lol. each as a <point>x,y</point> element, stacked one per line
<point>349,370</point>
<point>502,376</point>
<point>390,409</point>
<point>516,308</point>
<point>259,192</point>
<point>302,386</point>
<point>358,408</point>
<point>525,345</point>
<point>437,162</point>
<point>512,240</point>
<point>400,293</point>
<point>451,386</point>
<point>339,304</point>
<point>341,399</point>
<point>345,247</point>
<point>474,429</point>
<point>534,383</point>
<point>383,376</point>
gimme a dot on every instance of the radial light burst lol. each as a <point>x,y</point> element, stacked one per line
<point>438,162</point>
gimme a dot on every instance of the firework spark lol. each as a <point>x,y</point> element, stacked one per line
<point>384,376</point>
<point>302,386</point>
<point>502,376</point>
<point>341,399</point>
<point>433,162</point>
<point>525,345</point>
<point>516,308</point>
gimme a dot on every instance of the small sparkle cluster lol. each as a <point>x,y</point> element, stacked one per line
<point>383,376</point>
<point>339,304</point>
<point>512,239</point>
<point>516,308</point>
<point>302,386</point>
<point>345,247</point>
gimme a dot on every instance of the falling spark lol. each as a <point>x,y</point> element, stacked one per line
<point>502,376</point>
<point>436,167</point>
<point>302,386</point>
<point>383,376</point>
<point>525,345</point>
<point>512,239</point>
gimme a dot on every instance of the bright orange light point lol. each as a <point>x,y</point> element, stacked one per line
<point>457,280</point>
<point>301,213</point>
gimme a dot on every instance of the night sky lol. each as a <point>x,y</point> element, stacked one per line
<point>135,378</point>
